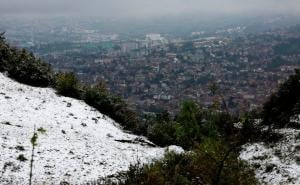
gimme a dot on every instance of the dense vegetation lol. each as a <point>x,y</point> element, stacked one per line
<point>283,104</point>
<point>214,146</point>
<point>67,84</point>
<point>190,126</point>
<point>211,162</point>
<point>24,66</point>
<point>213,143</point>
<point>99,97</point>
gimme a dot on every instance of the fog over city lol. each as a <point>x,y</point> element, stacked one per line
<point>145,8</point>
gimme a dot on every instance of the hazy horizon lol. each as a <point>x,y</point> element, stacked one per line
<point>145,9</point>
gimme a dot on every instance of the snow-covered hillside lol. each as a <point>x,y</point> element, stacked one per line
<point>79,144</point>
<point>277,163</point>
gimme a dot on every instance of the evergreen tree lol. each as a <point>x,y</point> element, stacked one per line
<point>279,108</point>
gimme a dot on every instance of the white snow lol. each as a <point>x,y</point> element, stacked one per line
<point>79,143</point>
<point>278,163</point>
<point>295,119</point>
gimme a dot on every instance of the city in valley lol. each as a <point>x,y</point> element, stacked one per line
<point>157,70</point>
<point>150,92</point>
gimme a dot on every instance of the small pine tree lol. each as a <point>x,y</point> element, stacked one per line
<point>33,142</point>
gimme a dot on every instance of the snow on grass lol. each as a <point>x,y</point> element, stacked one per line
<point>277,163</point>
<point>79,144</point>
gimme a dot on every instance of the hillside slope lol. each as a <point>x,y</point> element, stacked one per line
<point>79,143</point>
<point>276,163</point>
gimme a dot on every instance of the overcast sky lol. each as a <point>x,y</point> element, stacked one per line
<point>145,8</point>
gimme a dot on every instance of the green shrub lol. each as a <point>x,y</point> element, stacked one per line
<point>29,70</point>
<point>67,84</point>
<point>190,126</point>
<point>23,66</point>
<point>189,121</point>
<point>183,130</point>
<point>212,162</point>
<point>161,129</point>
<point>217,124</point>
<point>113,106</point>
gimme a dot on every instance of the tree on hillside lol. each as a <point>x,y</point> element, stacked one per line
<point>283,104</point>
<point>189,120</point>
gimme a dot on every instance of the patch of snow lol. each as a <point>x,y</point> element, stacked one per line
<point>238,125</point>
<point>175,149</point>
<point>79,144</point>
<point>278,163</point>
<point>295,119</point>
